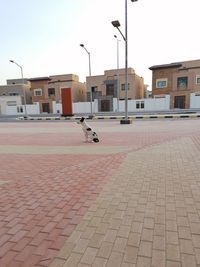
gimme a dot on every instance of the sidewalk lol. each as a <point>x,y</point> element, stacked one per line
<point>131,200</point>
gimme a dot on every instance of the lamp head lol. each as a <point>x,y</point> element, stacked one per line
<point>82,45</point>
<point>12,61</point>
<point>134,0</point>
<point>116,23</point>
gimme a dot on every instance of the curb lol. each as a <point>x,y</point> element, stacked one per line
<point>134,117</point>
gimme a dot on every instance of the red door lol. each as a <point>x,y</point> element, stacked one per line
<point>66,97</point>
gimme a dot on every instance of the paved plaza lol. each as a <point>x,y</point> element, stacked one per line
<point>131,200</point>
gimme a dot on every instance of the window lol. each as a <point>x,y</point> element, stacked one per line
<point>123,86</point>
<point>94,89</point>
<point>139,104</point>
<point>11,103</point>
<point>198,79</point>
<point>20,109</point>
<point>182,82</point>
<point>13,94</point>
<point>161,83</point>
<point>110,89</point>
<point>38,92</point>
<point>51,91</point>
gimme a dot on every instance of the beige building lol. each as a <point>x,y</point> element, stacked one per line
<point>112,85</point>
<point>178,80</point>
<point>17,87</point>
<point>47,89</point>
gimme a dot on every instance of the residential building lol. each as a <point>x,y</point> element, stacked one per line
<point>12,95</point>
<point>45,90</point>
<point>112,85</point>
<point>17,87</point>
<point>177,79</point>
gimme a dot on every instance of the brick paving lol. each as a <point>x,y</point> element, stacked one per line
<point>131,200</point>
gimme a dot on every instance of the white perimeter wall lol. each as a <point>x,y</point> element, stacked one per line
<point>161,103</point>
<point>149,104</point>
<point>194,100</point>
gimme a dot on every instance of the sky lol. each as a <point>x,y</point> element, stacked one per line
<point>44,36</point>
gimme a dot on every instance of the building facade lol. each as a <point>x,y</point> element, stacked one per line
<point>45,90</point>
<point>178,80</point>
<point>17,87</point>
<point>112,85</point>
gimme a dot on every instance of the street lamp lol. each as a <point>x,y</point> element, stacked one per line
<point>82,45</point>
<point>116,24</point>
<point>24,93</point>
<point>118,83</point>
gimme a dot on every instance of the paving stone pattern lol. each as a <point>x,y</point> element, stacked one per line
<point>131,200</point>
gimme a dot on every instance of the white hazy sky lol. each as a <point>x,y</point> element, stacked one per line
<point>44,36</point>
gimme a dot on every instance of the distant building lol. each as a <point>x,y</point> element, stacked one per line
<point>178,80</point>
<point>112,85</point>
<point>45,90</point>
<point>12,94</point>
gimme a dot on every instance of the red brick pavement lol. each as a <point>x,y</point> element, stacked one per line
<point>47,195</point>
<point>44,200</point>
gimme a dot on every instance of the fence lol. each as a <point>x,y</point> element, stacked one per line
<point>159,103</point>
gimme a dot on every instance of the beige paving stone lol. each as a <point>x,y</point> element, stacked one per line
<point>115,223</point>
<point>88,232</point>
<point>134,239</point>
<point>195,228</point>
<point>145,249</point>
<point>171,225</point>
<point>159,242</point>
<point>102,228</point>
<point>188,260</point>
<point>147,235</point>
<point>137,227</point>
<point>105,250</point>
<point>159,229</point>
<point>124,231</point>
<point>96,240</point>
<point>82,225</point>
<point>130,255</point>
<point>99,262</point>
<point>120,244</point>
<point>149,223</point>
<point>83,265</point>
<point>172,237</point>
<point>196,241</point>
<point>143,262</point>
<point>182,221</point>
<point>186,246</point>
<point>127,220</point>
<point>184,232</point>
<point>115,259</point>
<point>173,252</point>
<point>66,250</point>
<point>197,255</point>
<point>74,237</point>
<point>158,258</point>
<point>81,246</point>
<point>139,216</point>
<point>95,221</point>
<point>73,260</point>
<point>110,235</point>
<point>89,256</point>
<point>125,264</point>
<point>173,264</point>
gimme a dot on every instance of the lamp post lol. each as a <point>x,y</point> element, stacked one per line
<point>118,83</point>
<point>116,24</point>
<point>82,45</point>
<point>24,93</point>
